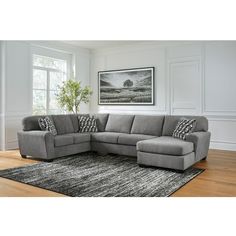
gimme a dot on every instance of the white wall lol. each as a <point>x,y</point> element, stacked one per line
<point>17,83</point>
<point>197,78</point>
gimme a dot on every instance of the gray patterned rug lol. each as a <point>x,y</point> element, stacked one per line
<point>91,175</point>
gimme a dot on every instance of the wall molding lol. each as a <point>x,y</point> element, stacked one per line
<point>206,112</point>
<point>13,115</point>
<point>13,144</point>
<point>223,145</point>
<point>181,62</point>
<point>222,141</point>
<point>221,119</point>
<point>142,46</point>
<point>13,120</point>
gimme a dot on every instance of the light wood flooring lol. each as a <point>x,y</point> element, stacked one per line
<point>218,179</point>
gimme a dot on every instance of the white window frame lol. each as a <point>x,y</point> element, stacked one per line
<point>52,53</point>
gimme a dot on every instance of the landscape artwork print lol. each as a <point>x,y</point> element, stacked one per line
<point>126,87</point>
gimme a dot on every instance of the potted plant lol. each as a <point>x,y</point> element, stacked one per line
<point>71,94</point>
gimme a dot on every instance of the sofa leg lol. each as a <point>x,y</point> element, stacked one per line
<point>48,160</point>
<point>24,156</point>
<point>179,171</point>
<point>204,158</point>
<point>102,153</point>
<point>142,166</point>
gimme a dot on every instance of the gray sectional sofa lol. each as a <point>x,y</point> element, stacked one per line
<point>147,137</point>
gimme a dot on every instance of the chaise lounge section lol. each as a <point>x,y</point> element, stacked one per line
<point>147,137</point>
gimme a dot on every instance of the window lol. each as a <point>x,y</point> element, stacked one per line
<point>48,75</point>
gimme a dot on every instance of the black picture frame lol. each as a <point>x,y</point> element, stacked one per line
<point>116,84</point>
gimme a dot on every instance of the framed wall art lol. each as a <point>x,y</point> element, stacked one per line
<point>126,87</point>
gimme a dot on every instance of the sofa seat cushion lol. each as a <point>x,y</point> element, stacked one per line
<point>165,145</point>
<point>63,140</point>
<point>105,137</point>
<point>80,137</point>
<point>132,139</point>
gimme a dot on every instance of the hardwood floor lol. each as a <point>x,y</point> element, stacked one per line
<point>218,179</point>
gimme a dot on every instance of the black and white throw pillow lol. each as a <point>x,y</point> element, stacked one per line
<point>183,128</point>
<point>47,124</point>
<point>87,124</point>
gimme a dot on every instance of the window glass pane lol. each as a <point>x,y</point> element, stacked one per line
<point>39,102</point>
<point>55,112</point>
<point>49,62</point>
<point>39,112</point>
<point>39,79</point>
<point>48,74</point>
<point>56,79</point>
<point>52,100</point>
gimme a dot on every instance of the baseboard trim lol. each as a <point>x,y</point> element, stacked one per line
<point>12,145</point>
<point>230,146</point>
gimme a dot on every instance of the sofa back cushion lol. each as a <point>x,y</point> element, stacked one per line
<point>101,121</point>
<point>63,124</point>
<point>119,123</point>
<point>147,124</point>
<point>170,123</point>
<point>31,123</point>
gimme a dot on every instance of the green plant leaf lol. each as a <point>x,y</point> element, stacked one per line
<point>71,94</point>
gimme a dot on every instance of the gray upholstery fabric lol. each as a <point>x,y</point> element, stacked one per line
<point>63,124</point>
<point>101,120</point>
<point>170,123</point>
<point>201,141</point>
<point>104,148</point>
<point>80,137</point>
<point>165,145</point>
<point>132,139</point>
<point>75,122</point>
<point>72,149</point>
<point>31,123</point>
<point>150,125</point>
<point>63,140</point>
<point>105,137</point>
<point>36,143</point>
<point>119,123</point>
<point>166,161</point>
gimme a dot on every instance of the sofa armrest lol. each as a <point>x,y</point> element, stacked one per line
<point>36,143</point>
<point>201,141</point>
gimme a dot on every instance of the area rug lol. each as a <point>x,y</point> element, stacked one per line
<point>91,175</point>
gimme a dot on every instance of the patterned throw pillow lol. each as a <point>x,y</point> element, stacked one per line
<point>87,124</point>
<point>183,128</point>
<point>46,124</point>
